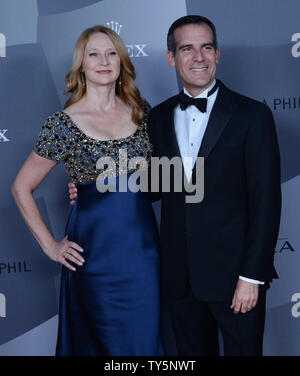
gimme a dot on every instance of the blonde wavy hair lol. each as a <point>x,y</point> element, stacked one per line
<point>127,91</point>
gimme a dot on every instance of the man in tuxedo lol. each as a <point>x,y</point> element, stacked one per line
<point>216,255</point>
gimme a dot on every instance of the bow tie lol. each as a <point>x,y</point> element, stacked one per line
<point>186,101</point>
<point>201,103</point>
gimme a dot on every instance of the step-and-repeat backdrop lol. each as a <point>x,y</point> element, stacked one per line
<point>260,57</point>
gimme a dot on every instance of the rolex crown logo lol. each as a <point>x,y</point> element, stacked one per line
<point>115,26</point>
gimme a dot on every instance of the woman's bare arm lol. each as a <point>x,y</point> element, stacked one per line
<point>31,175</point>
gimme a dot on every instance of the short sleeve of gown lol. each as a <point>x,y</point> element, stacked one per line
<point>51,142</point>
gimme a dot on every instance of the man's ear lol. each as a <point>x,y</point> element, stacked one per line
<point>171,58</point>
<point>218,54</point>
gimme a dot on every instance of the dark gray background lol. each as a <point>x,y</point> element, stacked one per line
<point>256,60</point>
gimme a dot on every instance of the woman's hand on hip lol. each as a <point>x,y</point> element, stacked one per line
<point>65,251</point>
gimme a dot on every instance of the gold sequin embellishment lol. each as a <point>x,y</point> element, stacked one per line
<point>61,140</point>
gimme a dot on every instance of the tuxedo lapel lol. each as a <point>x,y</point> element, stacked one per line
<point>170,144</point>
<point>168,121</point>
<point>220,115</point>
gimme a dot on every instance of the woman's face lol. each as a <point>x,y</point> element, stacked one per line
<point>101,62</point>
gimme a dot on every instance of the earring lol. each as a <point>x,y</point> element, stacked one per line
<point>120,80</point>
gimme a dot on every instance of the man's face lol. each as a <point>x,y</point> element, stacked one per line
<point>195,58</point>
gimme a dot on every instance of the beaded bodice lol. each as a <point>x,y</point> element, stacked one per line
<point>61,140</point>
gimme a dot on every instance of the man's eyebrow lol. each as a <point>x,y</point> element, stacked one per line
<point>184,46</point>
<point>190,45</point>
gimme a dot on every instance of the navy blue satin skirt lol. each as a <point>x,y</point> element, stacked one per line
<point>110,305</point>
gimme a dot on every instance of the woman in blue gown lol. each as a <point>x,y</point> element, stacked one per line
<point>109,300</point>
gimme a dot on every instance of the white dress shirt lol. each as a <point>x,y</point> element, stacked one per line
<point>190,126</point>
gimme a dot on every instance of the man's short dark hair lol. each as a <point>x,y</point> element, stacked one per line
<point>189,20</point>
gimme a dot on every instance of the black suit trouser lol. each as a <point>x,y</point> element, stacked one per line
<point>196,326</point>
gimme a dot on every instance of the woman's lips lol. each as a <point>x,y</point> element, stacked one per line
<point>106,71</point>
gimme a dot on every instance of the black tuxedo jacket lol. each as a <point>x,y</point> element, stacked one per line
<point>233,230</point>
